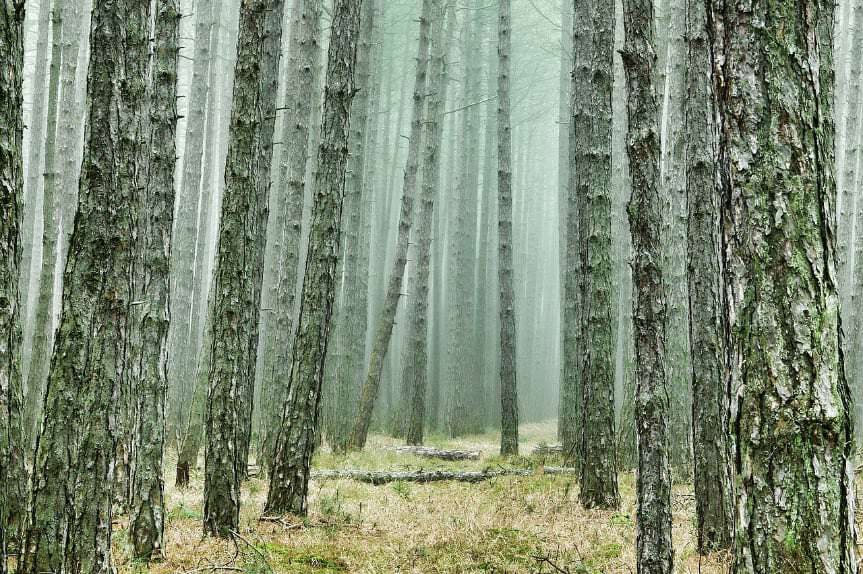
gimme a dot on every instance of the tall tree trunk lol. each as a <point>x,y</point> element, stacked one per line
<point>184,253</point>
<point>297,437</point>
<point>791,409</point>
<point>305,70</point>
<point>151,314</point>
<point>653,489</point>
<point>508,384</point>
<point>416,376</point>
<point>591,132</point>
<point>240,263</point>
<point>710,400</point>
<point>69,529</point>
<point>564,125</point>
<point>42,309</point>
<point>13,478</point>
<point>349,366</point>
<point>385,323</point>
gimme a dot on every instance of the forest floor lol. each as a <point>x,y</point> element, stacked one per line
<point>505,525</point>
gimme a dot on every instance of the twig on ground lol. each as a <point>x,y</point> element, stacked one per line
<point>548,560</point>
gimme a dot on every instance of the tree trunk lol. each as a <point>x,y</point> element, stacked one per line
<point>151,315</point>
<point>592,171</point>
<point>305,70</point>
<point>240,264</point>
<point>289,477</point>
<point>70,522</point>
<point>385,323</point>
<point>40,355</point>
<point>508,384</point>
<point>791,409</point>
<point>415,378</point>
<point>350,363</point>
<point>653,547</point>
<point>13,478</point>
<point>711,441</point>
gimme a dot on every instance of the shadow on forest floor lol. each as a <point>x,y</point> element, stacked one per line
<point>507,524</point>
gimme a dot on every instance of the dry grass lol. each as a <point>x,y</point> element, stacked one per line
<point>503,525</point>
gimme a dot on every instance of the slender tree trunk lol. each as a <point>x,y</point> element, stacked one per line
<point>305,70</point>
<point>711,441</point>
<point>13,478</point>
<point>415,378</point>
<point>509,387</point>
<point>39,350</point>
<point>69,528</point>
<point>564,126</point>
<point>653,488</point>
<point>591,131</point>
<point>386,321</point>
<point>297,437</point>
<point>791,409</point>
<point>151,316</point>
<point>240,264</point>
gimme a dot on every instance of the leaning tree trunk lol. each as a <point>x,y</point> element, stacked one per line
<point>592,172</point>
<point>305,70</point>
<point>13,477</point>
<point>508,383</point>
<point>70,523</point>
<point>417,378</point>
<point>240,263</point>
<point>654,549</point>
<point>151,314</point>
<point>791,409</point>
<point>289,480</point>
<point>711,441</point>
<point>385,323</point>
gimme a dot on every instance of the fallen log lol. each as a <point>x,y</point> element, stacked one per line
<point>547,449</point>
<point>429,452</point>
<point>425,476</point>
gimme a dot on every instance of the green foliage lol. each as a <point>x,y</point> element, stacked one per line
<point>311,560</point>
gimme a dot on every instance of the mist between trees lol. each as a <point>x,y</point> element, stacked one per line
<point>234,235</point>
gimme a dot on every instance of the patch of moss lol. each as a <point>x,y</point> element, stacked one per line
<point>304,560</point>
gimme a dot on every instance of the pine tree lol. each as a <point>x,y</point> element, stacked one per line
<point>297,437</point>
<point>653,489</point>
<point>240,263</point>
<point>794,463</point>
<point>12,474</point>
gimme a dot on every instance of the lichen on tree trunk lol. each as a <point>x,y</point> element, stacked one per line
<point>791,410</point>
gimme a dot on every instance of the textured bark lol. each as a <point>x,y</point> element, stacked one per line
<point>289,476</point>
<point>240,263</point>
<point>305,70</point>
<point>69,529</point>
<point>13,477</point>
<point>184,252</point>
<point>791,410</point>
<point>653,546</point>
<point>386,321</point>
<point>506,279</point>
<point>42,309</point>
<point>591,184</point>
<point>354,313</point>
<point>710,400</point>
<point>385,477</point>
<point>570,417</point>
<point>429,452</point>
<point>416,378</point>
<point>152,311</point>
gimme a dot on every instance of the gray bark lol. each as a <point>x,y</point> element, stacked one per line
<point>69,528</point>
<point>506,279</point>
<point>152,309</point>
<point>791,408</point>
<point>385,477</point>
<point>240,263</point>
<point>591,183</point>
<point>654,551</point>
<point>710,400</point>
<point>289,476</point>
<point>13,478</point>
<point>386,321</point>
